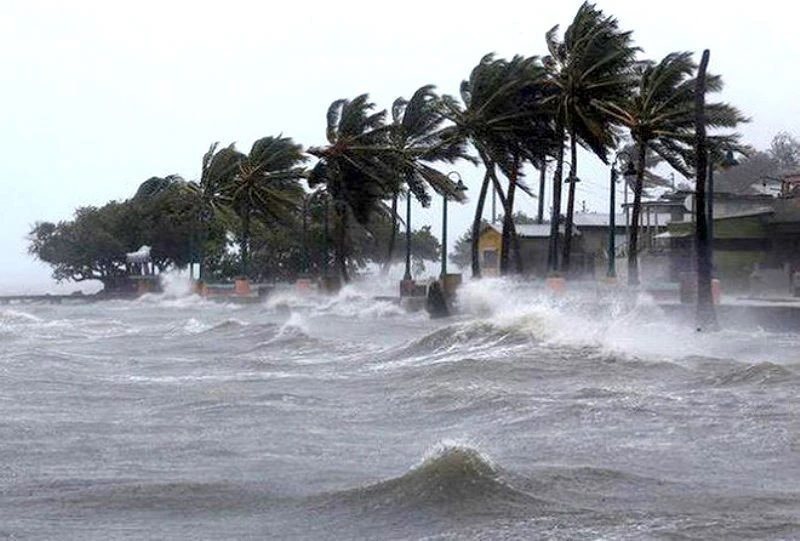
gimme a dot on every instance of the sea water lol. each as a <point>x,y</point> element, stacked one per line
<point>310,417</point>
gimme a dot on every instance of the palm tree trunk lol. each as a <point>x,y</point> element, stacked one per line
<point>509,229</point>
<point>633,243</point>
<point>552,254</point>
<point>392,237</point>
<point>542,181</point>
<point>244,245</point>
<point>476,222</point>
<point>341,242</point>
<point>706,316</point>
<point>573,175</point>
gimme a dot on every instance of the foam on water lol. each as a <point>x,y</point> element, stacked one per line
<point>627,326</point>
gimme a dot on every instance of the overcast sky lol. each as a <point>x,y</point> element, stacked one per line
<point>98,96</point>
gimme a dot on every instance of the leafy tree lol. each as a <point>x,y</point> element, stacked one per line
<point>589,69</point>
<point>419,135</point>
<point>218,166</point>
<point>501,117</point>
<point>92,246</point>
<point>358,167</point>
<point>264,186</point>
<point>660,115</point>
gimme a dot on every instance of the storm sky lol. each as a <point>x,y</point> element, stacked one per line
<point>98,96</point>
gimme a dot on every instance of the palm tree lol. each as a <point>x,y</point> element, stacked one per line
<point>420,136</point>
<point>358,166</point>
<point>588,68</point>
<point>217,168</point>
<point>501,117</point>
<point>660,116</point>
<point>265,185</point>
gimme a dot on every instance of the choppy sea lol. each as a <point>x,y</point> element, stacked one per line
<point>306,417</point>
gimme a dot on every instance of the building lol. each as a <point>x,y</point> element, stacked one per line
<point>589,245</point>
<point>756,238</point>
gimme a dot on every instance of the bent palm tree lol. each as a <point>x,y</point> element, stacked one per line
<point>660,116</point>
<point>358,166</point>
<point>497,114</point>
<point>420,138</point>
<point>265,184</point>
<point>217,168</point>
<point>588,68</point>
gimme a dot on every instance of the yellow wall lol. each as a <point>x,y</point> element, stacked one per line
<point>489,240</point>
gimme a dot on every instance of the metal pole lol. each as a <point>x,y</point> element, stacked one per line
<point>326,254</point>
<point>612,226</point>
<point>305,235</point>
<point>407,275</point>
<point>542,180</point>
<point>444,236</point>
<point>627,219</point>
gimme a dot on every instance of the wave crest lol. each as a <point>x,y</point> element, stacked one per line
<point>451,476</point>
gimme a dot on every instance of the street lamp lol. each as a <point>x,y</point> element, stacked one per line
<point>612,217</point>
<point>407,275</point>
<point>727,161</point>
<point>460,188</point>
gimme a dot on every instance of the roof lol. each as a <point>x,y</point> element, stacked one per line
<point>531,231</point>
<point>758,211</point>
<point>596,219</point>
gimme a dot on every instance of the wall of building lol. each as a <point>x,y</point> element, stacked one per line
<point>490,242</point>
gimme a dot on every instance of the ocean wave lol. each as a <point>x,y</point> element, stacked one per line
<point>469,334</point>
<point>16,317</point>
<point>451,475</point>
<point>759,373</point>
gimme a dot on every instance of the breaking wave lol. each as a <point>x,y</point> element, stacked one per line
<point>452,476</point>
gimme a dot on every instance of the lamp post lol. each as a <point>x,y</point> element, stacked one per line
<point>460,187</point>
<point>326,240</point>
<point>407,275</point>
<point>612,217</point>
<point>728,161</point>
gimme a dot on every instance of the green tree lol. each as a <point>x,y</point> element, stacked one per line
<point>422,138</point>
<point>500,115</point>
<point>218,166</point>
<point>265,185</point>
<point>589,69</point>
<point>660,116</point>
<point>91,246</point>
<point>359,167</point>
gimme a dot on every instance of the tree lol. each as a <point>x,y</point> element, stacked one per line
<point>421,138</point>
<point>660,115</point>
<point>785,149</point>
<point>358,166</point>
<point>217,167</point>
<point>589,69</point>
<point>264,185</point>
<point>501,117</point>
<point>91,246</point>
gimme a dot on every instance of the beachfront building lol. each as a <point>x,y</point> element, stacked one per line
<point>756,243</point>
<point>589,245</point>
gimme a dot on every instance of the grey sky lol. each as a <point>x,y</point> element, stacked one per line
<point>98,95</point>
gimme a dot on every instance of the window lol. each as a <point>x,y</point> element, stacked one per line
<point>490,258</point>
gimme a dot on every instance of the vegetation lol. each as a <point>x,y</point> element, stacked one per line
<point>659,115</point>
<point>250,214</point>
<point>590,71</point>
